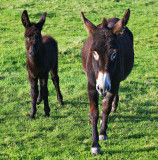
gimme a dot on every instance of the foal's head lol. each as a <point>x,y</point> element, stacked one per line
<point>104,50</point>
<point>32,33</point>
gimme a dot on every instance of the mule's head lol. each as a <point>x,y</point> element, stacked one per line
<point>104,50</point>
<point>32,33</point>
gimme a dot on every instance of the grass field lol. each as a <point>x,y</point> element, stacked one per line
<point>133,130</point>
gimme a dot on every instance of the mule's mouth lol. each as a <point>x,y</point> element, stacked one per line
<point>103,84</point>
<point>101,91</point>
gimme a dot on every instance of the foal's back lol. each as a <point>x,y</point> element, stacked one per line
<point>49,52</point>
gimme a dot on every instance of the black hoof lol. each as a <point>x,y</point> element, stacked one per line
<point>61,102</point>
<point>39,101</point>
<point>47,115</point>
<point>32,117</point>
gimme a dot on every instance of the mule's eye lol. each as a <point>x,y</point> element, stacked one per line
<point>95,55</point>
<point>113,56</point>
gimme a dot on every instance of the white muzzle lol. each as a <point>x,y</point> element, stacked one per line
<point>103,83</point>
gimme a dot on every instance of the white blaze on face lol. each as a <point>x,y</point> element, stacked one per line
<point>103,83</point>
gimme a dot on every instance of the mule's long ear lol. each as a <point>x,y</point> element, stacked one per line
<point>91,28</point>
<point>42,21</point>
<point>25,19</point>
<point>121,24</point>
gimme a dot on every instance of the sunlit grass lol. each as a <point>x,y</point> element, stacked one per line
<point>132,132</point>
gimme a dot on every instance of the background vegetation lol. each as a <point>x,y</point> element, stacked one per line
<point>133,130</point>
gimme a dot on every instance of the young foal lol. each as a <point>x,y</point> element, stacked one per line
<point>42,58</point>
<point>107,59</point>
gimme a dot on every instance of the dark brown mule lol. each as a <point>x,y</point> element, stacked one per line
<point>107,59</point>
<point>42,58</point>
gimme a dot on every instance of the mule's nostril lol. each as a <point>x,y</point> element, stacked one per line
<point>108,88</point>
<point>101,90</point>
<point>97,87</point>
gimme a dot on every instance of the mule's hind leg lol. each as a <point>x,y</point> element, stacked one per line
<point>115,100</point>
<point>44,94</point>
<point>39,99</point>
<point>55,79</point>
<point>115,103</point>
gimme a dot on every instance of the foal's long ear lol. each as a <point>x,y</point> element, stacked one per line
<point>42,21</point>
<point>91,28</point>
<point>121,24</point>
<point>104,23</point>
<point>25,19</point>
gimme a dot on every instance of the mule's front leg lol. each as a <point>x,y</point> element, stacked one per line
<point>94,114</point>
<point>34,95</point>
<point>107,103</point>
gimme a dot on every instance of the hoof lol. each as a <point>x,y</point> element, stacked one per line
<point>61,103</point>
<point>102,137</point>
<point>39,100</point>
<point>113,109</point>
<point>95,150</point>
<point>32,117</point>
<point>47,115</point>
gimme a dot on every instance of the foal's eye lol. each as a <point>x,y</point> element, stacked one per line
<point>27,39</point>
<point>113,56</point>
<point>95,55</point>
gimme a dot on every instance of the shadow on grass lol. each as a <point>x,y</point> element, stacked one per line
<point>135,136</point>
<point>49,14</point>
<point>1,78</point>
<point>147,149</point>
<point>5,156</point>
<point>27,5</point>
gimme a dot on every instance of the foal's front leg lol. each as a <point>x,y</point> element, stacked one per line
<point>44,94</point>
<point>34,95</point>
<point>94,114</point>
<point>39,99</point>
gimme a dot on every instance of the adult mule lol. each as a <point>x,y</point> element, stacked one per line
<point>42,58</point>
<point>107,59</point>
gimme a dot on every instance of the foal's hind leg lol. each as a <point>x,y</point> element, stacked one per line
<point>44,94</point>
<point>55,79</point>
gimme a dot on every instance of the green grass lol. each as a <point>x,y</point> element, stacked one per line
<point>133,130</point>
